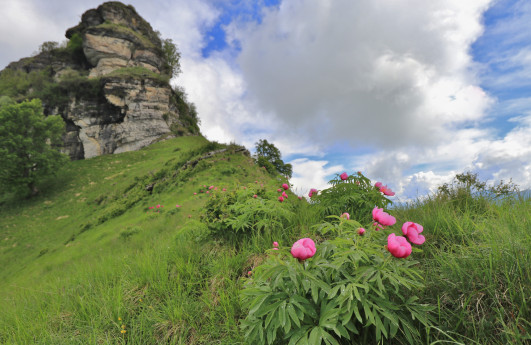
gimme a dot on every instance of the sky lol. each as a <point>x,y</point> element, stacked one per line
<point>409,92</point>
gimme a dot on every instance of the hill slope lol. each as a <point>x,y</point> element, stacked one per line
<point>99,214</point>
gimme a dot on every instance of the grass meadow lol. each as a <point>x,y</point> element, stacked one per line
<point>97,258</point>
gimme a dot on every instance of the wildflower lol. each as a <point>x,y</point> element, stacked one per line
<point>377,226</point>
<point>312,192</point>
<point>412,231</point>
<point>255,196</point>
<point>177,206</point>
<point>275,244</point>
<point>123,331</point>
<point>211,187</point>
<point>300,197</point>
<point>303,249</point>
<point>255,181</point>
<point>140,299</point>
<point>249,273</point>
<point>195,193</point>
<point>344,176</point>
<point>345,215</point>
<point>119,318</point>
<point>285,186</point>
<point>284,195</point>
<point>275,248</point>
<point>150,207</point>
<point>208,192</point>
<point>158,206</point>
<point>387,191</point>
<point>224,189</point>
<point>281,199</point>
<point>382,217</point>
<point>378,184</point>
<point>123,326</point>
<point>279,190</point>
<point>361,231</point>
<point>398,246</point>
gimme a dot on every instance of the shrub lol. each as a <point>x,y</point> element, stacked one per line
<point>236,216</point>
<point>355,195</point>
<point>351,289</point>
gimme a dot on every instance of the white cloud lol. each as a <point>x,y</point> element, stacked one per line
<point>309,174</point>
<point>374,72</point>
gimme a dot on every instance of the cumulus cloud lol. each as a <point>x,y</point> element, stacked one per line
<point>373,72</point>
<point>309,174</point>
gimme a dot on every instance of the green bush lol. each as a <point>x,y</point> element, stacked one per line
<point>28,146</point>
<point>236,216</point>
<point>352,291</point>
<point>356,196</point>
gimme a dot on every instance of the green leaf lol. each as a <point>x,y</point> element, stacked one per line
<point>315,336</point>
<point>257,302</point>
<point>293,314</point>
<point>282,314</point>
<point>328,338</point>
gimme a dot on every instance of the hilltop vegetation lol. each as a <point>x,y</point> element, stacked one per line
<point>118,249</point>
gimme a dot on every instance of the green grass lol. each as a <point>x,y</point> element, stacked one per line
<point>87,255</point>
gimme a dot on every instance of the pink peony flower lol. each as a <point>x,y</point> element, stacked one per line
<point>398,246</point>
<point>312,192</point>
<point>275,248</point>
<point>255,196</point>
<point>345,215</point>
<point>195,193</point>
<point>344,176</point>
<point>208,192</point>
<point>303,249</point>
<point>279,190</point>
<point>211,187</point>
<point>249,273</point>
<point>255,181</point>
<point>151,207</point>
<point>275,244</point>
<point>224,189</point>
<point>412,231</point>
<point>281,199</point>
<point>177,206</point>
<point>285,186</point>
<point>382,217</point>
<point>284,195</point>
<point>387,191</point>
<point>300,197</point>
<point>361,231</point>
<point>378,184</point>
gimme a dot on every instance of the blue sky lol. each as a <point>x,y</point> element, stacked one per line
<point>409,92</point>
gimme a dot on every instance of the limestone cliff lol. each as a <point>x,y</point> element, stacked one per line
<point>110,84</point>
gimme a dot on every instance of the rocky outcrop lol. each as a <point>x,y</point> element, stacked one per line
<point>119,61</point>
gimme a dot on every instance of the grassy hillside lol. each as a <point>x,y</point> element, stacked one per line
<point>93,260</point>
<point>93,225</point>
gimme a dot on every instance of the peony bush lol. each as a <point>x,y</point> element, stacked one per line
<point>354,282</point>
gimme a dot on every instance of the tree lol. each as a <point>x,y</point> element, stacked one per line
<point>28,145</point>
<point>269,156</point>
<point>172,65</point>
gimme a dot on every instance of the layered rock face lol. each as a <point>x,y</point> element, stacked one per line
<point>122,55</point>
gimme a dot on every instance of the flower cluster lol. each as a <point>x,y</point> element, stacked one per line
<point>384,189</point>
